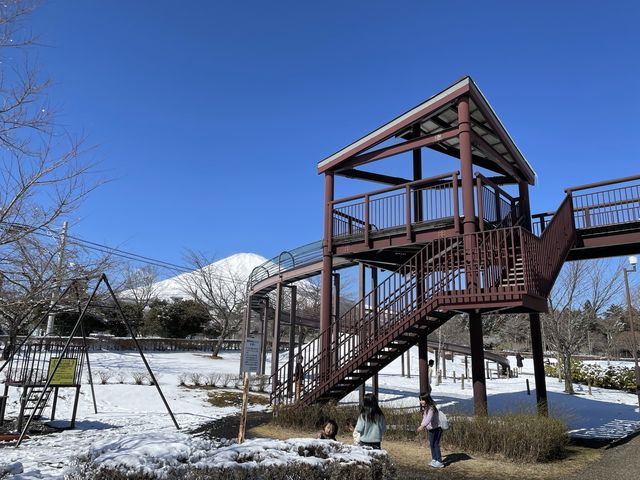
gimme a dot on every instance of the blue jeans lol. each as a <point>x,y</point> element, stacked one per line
<point>434,442</point>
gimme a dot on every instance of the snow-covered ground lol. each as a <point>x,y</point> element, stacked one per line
<point>132,422</point>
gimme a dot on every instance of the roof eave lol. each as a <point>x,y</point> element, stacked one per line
<point>391,128</point>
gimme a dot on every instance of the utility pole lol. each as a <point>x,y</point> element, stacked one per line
<point>633,261</point>
<point>54,293</point>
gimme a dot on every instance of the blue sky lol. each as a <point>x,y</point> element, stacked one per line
<point>209,117</point>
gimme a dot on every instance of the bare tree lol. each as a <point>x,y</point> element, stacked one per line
<point>41,175</point>
<point>581,293</point>
<point>29,277</point>
<point>611,326</point>
<point>138,290</point>
<point>221,290</point>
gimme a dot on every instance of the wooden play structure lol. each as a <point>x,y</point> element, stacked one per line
<point>464,241</point>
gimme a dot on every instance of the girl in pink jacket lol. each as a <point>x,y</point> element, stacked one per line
<point>431,421</point>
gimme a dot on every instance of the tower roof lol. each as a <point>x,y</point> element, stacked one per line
<point>437,118</point>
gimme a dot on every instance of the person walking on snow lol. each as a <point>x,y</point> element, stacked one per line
<point>430,421</point>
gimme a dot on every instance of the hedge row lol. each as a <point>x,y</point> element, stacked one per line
<point>614,377</point>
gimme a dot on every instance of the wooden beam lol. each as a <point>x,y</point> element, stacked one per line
<point>488,150</point>
<point>409,145</point>
<point>372,177</point>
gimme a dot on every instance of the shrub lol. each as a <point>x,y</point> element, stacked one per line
<point>212,379</point>
<point>527,438</point>
<point>121,376</point>
<point>259,382</point>
<point>182,379</point>
<point>104,376</point>
<point>150,378</point>
<point>228,378</point>
<point>196,378</point>
<point>613,377</point>
<point>139,377</point>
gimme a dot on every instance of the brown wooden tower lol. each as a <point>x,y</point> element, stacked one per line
<point>448,244</point>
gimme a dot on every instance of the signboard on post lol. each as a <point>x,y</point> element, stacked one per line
<point>66,372</point>
<point>251,354</point>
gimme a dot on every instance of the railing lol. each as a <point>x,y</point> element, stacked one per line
<point>157,344</point>
<point>496,208</point>
<point>544,256</point>
<point>423,201</point>
<point>607,207</point>
<point>304,255</point>
<point>614,206</point>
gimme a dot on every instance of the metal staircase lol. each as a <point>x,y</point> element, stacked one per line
<point>507,268</point>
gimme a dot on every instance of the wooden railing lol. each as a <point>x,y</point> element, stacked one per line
<point>423,201</point>
<point>545,255</point>
<point>607,207</point>
<point>613,206</point>
<point>158,344</point>
<point>496,208</point>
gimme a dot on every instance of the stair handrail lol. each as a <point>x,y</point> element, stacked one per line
<point>311,359</point>
<point>541,261</point>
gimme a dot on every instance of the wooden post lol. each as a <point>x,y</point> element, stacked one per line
<point>243,411</point>
<point>444,362</point>
<point>466,366</point>
<point>528,388</point>
<point>454,376</point>
<point>462,382</point>
<point>409,363</point>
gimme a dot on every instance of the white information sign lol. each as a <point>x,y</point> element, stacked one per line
<point>251,355</point>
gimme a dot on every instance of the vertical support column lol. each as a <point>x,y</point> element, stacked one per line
<point>466,166</point>
<point>444,361</point>
<point>246,321</point>
<point>423,364</point>
<point>469,216</point>
<point>525,205</point>
<point>477,365</point>
<point>275,342</point>
<point>292,336</point>
<point>538,364</point>
<point>327,270</point>
<point>362,281</point>
<point>374,306</point>
<point>418,207</point>
<point>336,319</point>
<point>265,327</point>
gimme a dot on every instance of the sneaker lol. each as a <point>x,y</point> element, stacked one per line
<point>432,463</point>
<point>437,464</point>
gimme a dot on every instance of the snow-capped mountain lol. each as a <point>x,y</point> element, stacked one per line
<point>239,266</point>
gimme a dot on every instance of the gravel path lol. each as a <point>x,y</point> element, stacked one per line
<point>621,462</point>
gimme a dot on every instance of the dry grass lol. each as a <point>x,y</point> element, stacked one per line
<point>411,459</point>
<point>229,398</point>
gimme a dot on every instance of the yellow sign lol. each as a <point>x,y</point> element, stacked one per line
<point>66,372</point>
